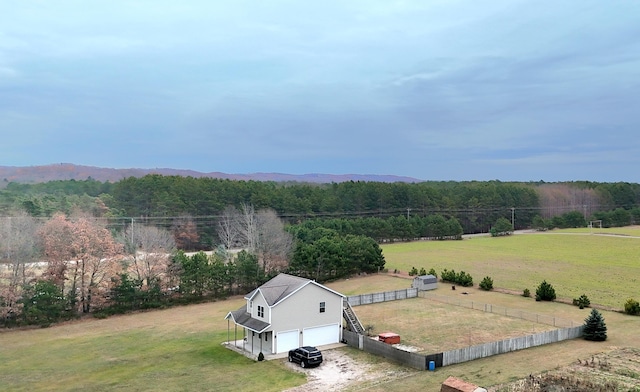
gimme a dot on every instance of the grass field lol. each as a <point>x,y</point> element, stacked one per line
<point>433,327</point>
<point>622,332</point>
<point>180,349</point>
<point>604,267</point>
<point>176,349</point>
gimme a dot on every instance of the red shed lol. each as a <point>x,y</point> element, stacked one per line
<point>389,337</point>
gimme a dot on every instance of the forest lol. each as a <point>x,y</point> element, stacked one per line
<point>162,200</point>
<point>139,243</point>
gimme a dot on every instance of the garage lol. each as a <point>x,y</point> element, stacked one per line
<point>287,340</point>
<point>319,336</point>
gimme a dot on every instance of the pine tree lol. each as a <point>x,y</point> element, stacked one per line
<point>545,292</point>
<point>594,327</point>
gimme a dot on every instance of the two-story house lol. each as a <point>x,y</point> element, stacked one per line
<point>288,312</point>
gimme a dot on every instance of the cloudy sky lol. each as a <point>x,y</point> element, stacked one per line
<point>514,90</point>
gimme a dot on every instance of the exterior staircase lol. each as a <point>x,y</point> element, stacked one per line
<point>353,323</point>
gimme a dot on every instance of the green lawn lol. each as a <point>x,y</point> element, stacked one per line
<point>605,268</point>
<point>180,349</point>
<point>170,350</point>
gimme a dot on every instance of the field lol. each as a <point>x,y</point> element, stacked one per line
<point>427,325</point>
<point>176,349</point>
<point>604,267</point>
<point>181,348</point>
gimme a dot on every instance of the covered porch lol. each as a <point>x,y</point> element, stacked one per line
<point>252,337</point>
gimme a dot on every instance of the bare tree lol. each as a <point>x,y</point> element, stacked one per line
<point>18,254</point>
<point>274,243</point>
<point>151,248</point>
<point>249,228</point>
<point>229,229</point>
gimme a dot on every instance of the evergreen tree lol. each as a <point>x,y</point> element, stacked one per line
<point>545,292</point>
<point>594,327</point>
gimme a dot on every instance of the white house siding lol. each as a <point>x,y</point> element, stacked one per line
<point>302,310</point>
<point>258,300</point>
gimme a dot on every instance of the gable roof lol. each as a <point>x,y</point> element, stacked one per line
<point>243,318</point>
<point>282,286</point>
<point>426,279</point>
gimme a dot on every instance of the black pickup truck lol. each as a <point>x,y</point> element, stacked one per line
<point>306,356</point>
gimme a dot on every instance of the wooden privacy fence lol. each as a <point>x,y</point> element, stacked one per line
<point>514,344</point>
<point>372,298</point>
<point>422,361</point>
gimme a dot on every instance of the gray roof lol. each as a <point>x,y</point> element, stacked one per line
<point>427,278</point>
<point>243,318</point>
<point>283,285</point>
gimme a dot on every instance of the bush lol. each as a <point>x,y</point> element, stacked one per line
<point>462,278</point>
<point>501,227</point>
<point>632,307</point>
<point>582,302</point>
<point>595,328</point>
<point>545,292</point>
<point>413,272</point>
<point>433,272</point>
<point>423,272</point>
<point>448,276</point>
<point>526,293</point>
<point>486,284</point>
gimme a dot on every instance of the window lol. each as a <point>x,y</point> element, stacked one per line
<point>322,306</point>
<point>260,311</point>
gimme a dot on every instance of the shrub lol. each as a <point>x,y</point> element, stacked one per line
<point>594,327</point>
<point>433,272</point>
<point>501,227</point>
<point>486,284</point>
<point>545,292</point>
<point>464,279</point>
<point>632,307</point>
<point>526,293</point>
<point>448,276</point>
<point>413,272</point>
<point>423,271</point>
<point>582,302</point>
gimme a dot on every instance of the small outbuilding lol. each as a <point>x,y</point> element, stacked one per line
<point>425,282</point>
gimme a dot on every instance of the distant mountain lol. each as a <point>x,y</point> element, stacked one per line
<point>69,171</point>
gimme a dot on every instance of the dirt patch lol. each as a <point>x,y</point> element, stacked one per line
<point>341,371</point>
<point>337,371</point>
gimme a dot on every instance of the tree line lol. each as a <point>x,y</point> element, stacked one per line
<point>68,266</point>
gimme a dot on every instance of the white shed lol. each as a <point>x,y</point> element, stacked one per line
<point>425,282</point>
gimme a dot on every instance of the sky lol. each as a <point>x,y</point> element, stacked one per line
<point>509,90</point>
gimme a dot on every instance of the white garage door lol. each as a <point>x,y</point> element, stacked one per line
<point>286,341</point>
<point>319,336</point>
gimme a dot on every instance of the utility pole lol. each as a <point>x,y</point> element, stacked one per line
<point>513,226</point>
<point>408,209</point>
